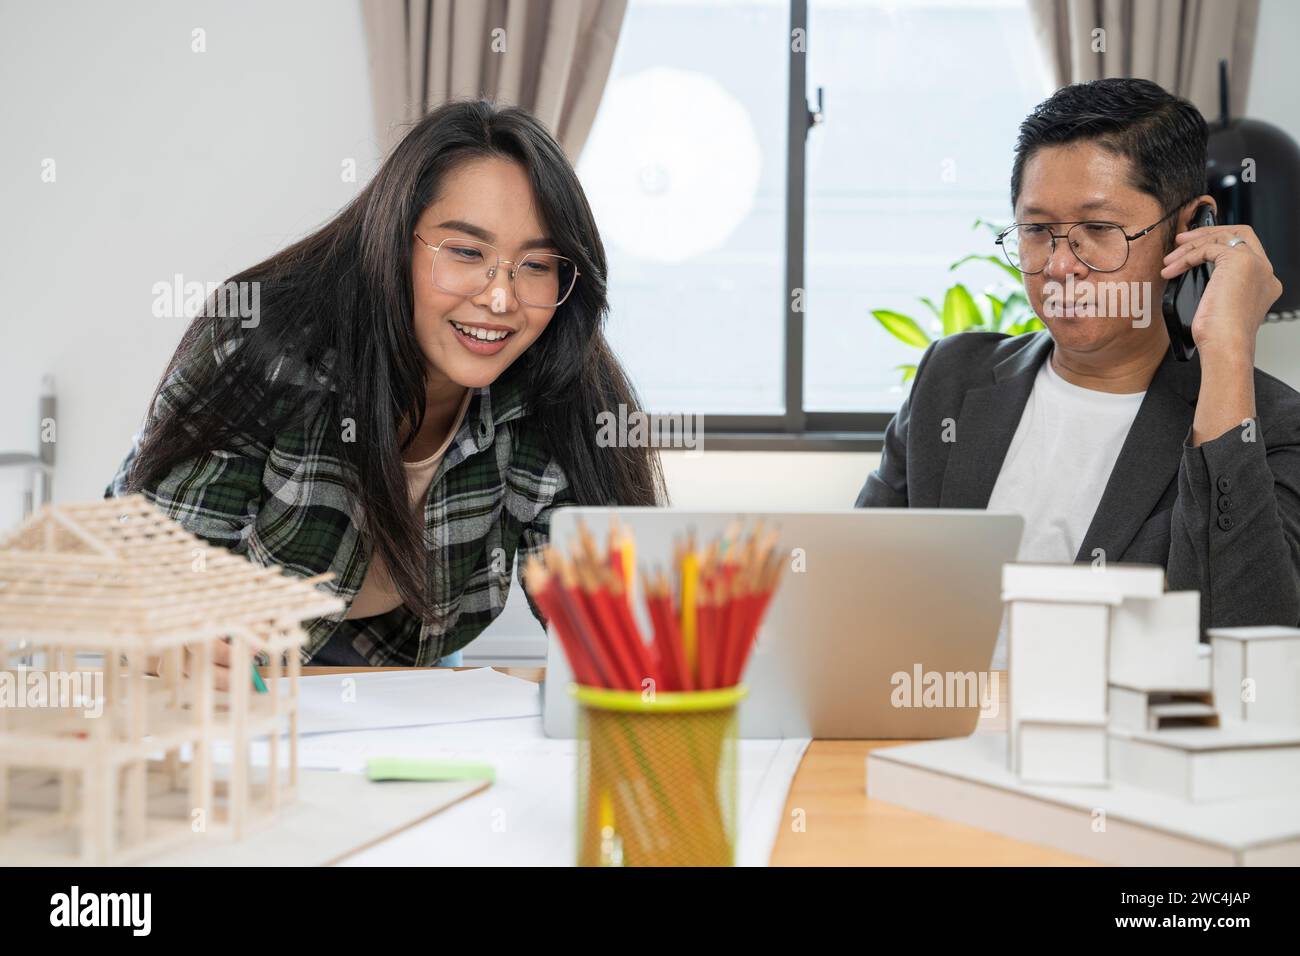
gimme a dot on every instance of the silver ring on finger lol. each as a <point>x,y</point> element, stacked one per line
<point>1235,241</point>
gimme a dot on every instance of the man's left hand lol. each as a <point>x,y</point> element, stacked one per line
<point>1240,291</point>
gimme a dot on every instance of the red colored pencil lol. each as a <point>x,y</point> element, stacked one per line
<point>761,599</point>
<point>544,594</point>
<point>740,577</point>
<point>673,649</point>
<point>588,601</point>
<point>667,663</point>
<point>672,617</point>
<point>707,646</point>
<point>608,632</point>
<point>571,598</point>
<point>706,618</point>
<point>737,604</point>
<point>631,632</point>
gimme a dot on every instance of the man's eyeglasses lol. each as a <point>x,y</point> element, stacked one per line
<point>467,267</point>
<point>1101,246</point>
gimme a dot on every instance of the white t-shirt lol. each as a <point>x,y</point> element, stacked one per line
<point>1057,467</point>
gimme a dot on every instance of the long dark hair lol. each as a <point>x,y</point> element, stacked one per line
<point>337,308</point>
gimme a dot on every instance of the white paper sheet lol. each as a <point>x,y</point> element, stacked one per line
<point>527,817</point>
<point>412,699</point>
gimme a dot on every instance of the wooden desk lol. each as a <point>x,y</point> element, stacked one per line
<point>841,827</point>
<point>844,828</point>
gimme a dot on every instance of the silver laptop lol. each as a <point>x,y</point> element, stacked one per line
<point>887,603</point>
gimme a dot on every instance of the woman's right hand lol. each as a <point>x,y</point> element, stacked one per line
<point>220,665</point>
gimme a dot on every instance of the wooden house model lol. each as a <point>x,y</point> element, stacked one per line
<point>110,725</point>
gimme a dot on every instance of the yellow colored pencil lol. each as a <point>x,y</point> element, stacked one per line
<point>690,595</point>
<point>629,562</point>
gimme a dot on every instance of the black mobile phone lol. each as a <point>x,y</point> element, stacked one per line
<point>1183,294</point>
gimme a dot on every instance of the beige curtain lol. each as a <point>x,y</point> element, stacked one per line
<point>551,57</point>
<point>1176,43</point>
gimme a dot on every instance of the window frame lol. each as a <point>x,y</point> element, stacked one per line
<point>797,429</point>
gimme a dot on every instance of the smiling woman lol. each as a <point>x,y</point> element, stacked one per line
<point>419,392</point>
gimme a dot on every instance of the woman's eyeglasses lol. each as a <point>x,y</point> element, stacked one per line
<point>1101,246</point>
<point>467,267</point>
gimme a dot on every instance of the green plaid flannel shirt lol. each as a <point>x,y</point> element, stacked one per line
<point>492,496</point>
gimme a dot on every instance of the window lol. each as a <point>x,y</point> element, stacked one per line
<point>923,101</point>
<point>685,171</point>
<point>745,256</point>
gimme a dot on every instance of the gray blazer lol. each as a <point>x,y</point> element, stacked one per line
<point>1222,519</point>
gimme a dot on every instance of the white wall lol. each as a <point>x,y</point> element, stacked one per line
<point>777,481</point>
<point>1273,99</point>
<point>168,161</point>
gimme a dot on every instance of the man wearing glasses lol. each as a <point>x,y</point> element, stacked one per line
<point>1111,448</point>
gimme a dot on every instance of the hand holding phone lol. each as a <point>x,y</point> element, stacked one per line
<point>1183,294</point>
<point>1220,285</point>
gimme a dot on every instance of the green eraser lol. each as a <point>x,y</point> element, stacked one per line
<point>428,768</point>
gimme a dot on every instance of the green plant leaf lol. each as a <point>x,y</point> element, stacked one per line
<point>1000,307</point>
<point>1031,324</point>
<point>995,311</point>
<point>909,372</point>
<point>993,260</point>
<point>902,327</point>
<point>992,227</point>
<point>1015,310</point>
<point>960,311</point>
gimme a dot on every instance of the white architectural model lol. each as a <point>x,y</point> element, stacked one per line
<point>1257,673</point>
<point>1128,739</point>
<point>1109,681</point>
<point>99,761</point>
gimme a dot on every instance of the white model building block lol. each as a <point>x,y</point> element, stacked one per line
<point>1056,665</point>
<point>1082,581</point>
<point>1063,753</point>
<point>1206,764</point>
<point>1132,709</point>
<point>1155,644</point>
<point>1257,673</point>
